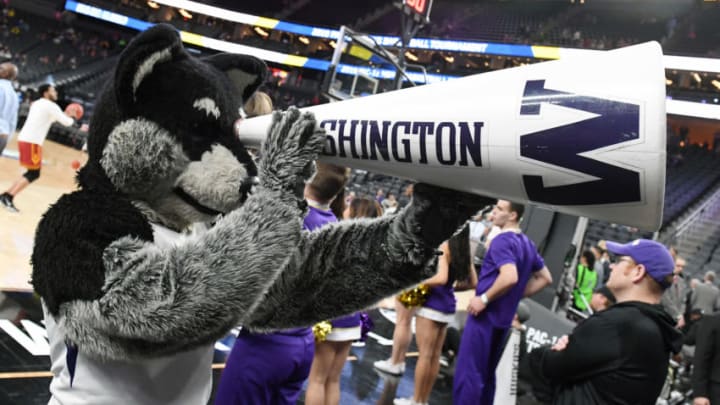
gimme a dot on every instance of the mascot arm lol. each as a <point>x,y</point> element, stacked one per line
<point>158,301</point>
<point>349,266</point>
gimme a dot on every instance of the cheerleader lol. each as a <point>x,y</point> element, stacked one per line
<point>331,351</point>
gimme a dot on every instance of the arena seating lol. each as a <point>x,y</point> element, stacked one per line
<point>43,46</point>
<point>690,175</point>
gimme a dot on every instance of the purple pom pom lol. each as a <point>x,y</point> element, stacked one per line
<point>366,325</point>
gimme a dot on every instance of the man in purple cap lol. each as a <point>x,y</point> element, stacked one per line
<point>620,355</point>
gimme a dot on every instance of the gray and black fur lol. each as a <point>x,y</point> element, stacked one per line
<point>163,152</point>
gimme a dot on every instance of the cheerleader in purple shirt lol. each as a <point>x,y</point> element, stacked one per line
<point>331,353</point>
<point>437,311</point>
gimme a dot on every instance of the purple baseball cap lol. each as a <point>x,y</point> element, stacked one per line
<point>653,255</point>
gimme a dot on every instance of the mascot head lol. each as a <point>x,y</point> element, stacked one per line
<point>162,133</point>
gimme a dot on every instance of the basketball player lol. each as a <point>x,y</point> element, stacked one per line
<point>43,112</point>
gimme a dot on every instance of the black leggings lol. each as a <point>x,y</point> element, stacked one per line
<point>32,175</point>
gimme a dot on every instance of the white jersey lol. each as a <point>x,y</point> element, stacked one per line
<point>42,114</point>
<point>477,231</point>
<point>180,379</point>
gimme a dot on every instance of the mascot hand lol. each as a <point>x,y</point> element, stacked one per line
<point>440,211</point>
<point>288,154</point>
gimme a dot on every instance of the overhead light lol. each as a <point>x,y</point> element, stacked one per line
<point>304,40</point>
<point>261,32</point>
<point>411,56</point>
<point>668,82</point>
<point>696,77</point>
<point>716,83</point>
<point>153,5</point>
<point>185,14</point>
<point>333,44</point>
<point>449,58</point>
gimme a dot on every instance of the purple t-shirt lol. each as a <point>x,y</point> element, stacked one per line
<point>314,219</point>
<point>505,248</point>
<point>442,298</point>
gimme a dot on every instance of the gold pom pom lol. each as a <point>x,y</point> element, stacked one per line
<point>321,330</point>
<point>414,297</point>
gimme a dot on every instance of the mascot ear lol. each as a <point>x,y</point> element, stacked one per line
<point>159,44</point>
<point>246,73</point>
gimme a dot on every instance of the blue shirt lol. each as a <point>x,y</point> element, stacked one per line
<point>508,248</point>
<point>9,106</point>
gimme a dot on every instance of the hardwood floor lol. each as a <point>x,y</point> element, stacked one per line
<point>17,230</point>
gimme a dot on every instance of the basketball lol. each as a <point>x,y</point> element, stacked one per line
<point>74,110</point>
<point>75,164</point>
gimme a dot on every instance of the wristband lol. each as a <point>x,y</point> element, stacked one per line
<point>484,298</point>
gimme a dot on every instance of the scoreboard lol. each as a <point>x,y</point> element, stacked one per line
<point>420,8</point>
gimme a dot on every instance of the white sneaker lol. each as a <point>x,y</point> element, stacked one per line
<point>407,401</point>
<point>388,367</point>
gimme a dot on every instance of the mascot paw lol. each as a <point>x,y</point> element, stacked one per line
<point>288,154</point>
<point>441,211</point>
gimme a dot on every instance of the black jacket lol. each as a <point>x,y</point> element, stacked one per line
<point>706,365</point>
<point>618,356</point>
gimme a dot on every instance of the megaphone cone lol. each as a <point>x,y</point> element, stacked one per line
<point>580,136</point>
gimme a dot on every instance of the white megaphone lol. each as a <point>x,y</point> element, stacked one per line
<point>583,136</point>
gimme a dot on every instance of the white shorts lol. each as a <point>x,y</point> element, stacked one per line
<point>344,334</point>
<point>435,315</point>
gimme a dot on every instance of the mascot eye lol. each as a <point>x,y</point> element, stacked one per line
<point>207,106</point>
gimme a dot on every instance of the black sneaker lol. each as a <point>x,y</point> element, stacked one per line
<point>7,202</point>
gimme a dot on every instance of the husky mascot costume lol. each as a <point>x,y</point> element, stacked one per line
<point>135,292</point>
